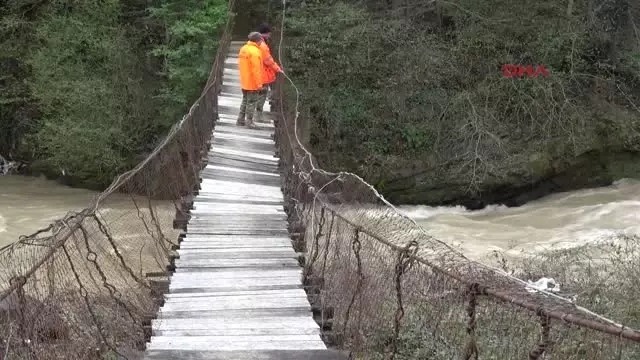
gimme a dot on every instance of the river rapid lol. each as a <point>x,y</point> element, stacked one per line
<point>557,221</point>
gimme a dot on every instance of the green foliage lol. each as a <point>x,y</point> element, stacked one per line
<point>408,89</point>
<point>192,29</point>
<point>85,84</point>
<point>78,80</point>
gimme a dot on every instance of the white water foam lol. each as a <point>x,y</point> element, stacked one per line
<point>559,221</point>
<point>423,212</point>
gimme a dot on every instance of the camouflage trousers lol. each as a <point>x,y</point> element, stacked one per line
<point>248,107</point>
<point>262,97</point>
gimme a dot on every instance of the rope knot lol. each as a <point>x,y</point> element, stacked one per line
<point>19,280</point>
<point>356,245</point>
<point>406,257</point>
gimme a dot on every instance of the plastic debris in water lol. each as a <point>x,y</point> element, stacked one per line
<point>6,165</point>
<point>544,284</point>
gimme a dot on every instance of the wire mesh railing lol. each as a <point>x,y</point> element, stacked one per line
<point>78,289</point>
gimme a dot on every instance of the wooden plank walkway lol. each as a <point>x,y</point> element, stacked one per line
<point>237,290</point>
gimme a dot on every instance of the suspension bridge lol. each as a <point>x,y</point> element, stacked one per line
<point>237,290</point>
<point>232,243</point>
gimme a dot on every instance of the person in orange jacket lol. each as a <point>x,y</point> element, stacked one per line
<point>270,70</point>
<point>251,78</point>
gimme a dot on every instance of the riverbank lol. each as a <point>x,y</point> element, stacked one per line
<point>417,104</point>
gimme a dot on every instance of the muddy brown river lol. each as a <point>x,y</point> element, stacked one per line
<point>560,220</point>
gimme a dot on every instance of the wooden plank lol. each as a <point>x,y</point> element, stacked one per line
<point>200,246</point>
<point>233,218</point>
<point>239,157</point>
<point>256,242</point>
<point>260,139</point>
<point>230,275</point>
<point>284,292</point>
<point>236,209</point>
<point>228,228</point>
<point>208,246</point>
<point>231,62</point>
<point>240,232</point>
<point>236,230</point>
<point>200,286</point>
<point>249,146</point>
<point>241,179</point>
<point>234,239</point>
<point>244,165</point>
<point>222,229</point>
<point>216,187</point>
<point>247,355</point>
<point>231,113</point>
<point>238,253</point>
<point>234,263</point>
<point>230,225</point>
<point>238,200</point>
<point>232,128</point>
<point>231,81</point>
<point>267,300</point>
<point>213,196</point>
<point>213,213</point>
<point>228,94</point>
<point>221,224</point>
<point>270,300</point>
<point>244,268</point>
<point>230,116</point>
<point>236,250</point>
<point>204,244</point>
<point>246,143</point>
<point>247,313</point>
<point>250,209</point>
<point>216,168</point>
<point>222,151</point>
<point>230,343</point>
<point>278,217</point>
<point>194,290</point>
<point>237,332</point>
<point>232,302</point>
<point>213,191</point>
<point>230,88</point>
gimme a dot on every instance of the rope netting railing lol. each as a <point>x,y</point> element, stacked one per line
<point>78,289</point>
<point>383,288</point>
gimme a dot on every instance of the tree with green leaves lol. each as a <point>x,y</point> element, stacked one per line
<point>89,87</point>
<point>191,30</point>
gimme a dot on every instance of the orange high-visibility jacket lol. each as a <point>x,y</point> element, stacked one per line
<point>270,66</point>
<point>251,68</point>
